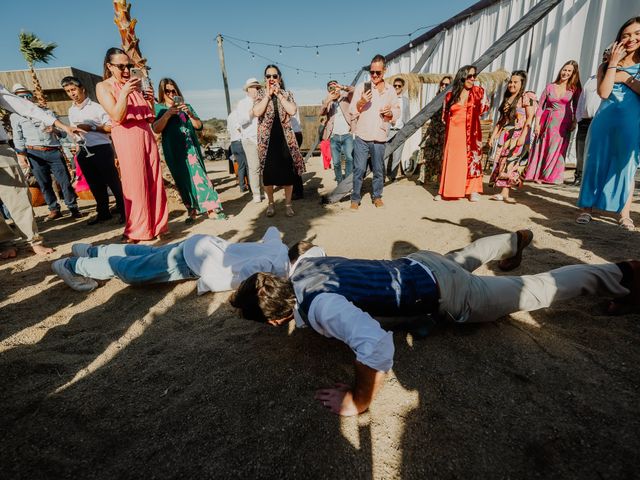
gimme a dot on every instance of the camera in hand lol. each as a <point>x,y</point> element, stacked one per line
<point>178,100</point>
<point>367,87</point>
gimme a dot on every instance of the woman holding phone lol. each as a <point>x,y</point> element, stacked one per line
<point>145,201</point>
<point>612,150</point>
<point>178,122</point>
<point>280,157</point>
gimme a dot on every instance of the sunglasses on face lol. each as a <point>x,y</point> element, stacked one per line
<point>28,96</point>
<point>375,72</point>
<point>471,76</point>
<point>397,86</point>
<point>273,76</point>
<point>445,84</point>
<point>170,90</point>
<point>123,66</point>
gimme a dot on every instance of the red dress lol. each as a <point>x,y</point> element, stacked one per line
<point>461,165</point>
<point>145,200</point>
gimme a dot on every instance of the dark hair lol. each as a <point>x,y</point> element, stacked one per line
<point>458,84</point>
<point>629,22</point>
<point>574,82</point>
<point>508,109</point>
<point>379,58</point>
<point>298,249</point>
<point>163,84</point>
<point>399,79</point>
<point>71,81</point>
<point>112,52</point>
<point>442,79</point>
<point>330,82</point>
<point>279,75</point>
<point>263,297</point>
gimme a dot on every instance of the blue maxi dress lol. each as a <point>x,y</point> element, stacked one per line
<point>612,149</point>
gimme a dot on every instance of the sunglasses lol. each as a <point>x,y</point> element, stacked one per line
<point>123,66</point>
<point>375,72</point>
<point>397,86</point>
<point>471,76</point>
<point>446,84</point>
<point>275,76</point>
<point>170,90</point>
<point>28,96</point>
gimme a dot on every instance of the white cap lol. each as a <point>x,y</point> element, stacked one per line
<point>251,82</point>
<point>18,87</point>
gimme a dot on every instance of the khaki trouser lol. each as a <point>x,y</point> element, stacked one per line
<point>14,193</point>
<point>253,165</point>
<point>472,298</point>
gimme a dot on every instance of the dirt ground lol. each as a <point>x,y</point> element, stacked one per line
<point>157,382</point>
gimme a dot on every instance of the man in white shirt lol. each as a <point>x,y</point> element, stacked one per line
<point>235,135</point>
<point>249,131</point>
<point>96,158</point>
<point>14,192</point>
<point>588,105</point>
<point>396,125</point>
<point>338,298</point>
<point>217,264</point>
<point>337,129</point>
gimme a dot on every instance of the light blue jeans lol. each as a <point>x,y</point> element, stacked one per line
<point>361,152</point>
<point>134,264</point>
<point>342,144</point>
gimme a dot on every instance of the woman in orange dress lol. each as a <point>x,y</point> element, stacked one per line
<point>145,200</point>
<point>461,165</point>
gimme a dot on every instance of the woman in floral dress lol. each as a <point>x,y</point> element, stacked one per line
<point>513,135</point>
<point>178,124</point>
<point>555,119</point>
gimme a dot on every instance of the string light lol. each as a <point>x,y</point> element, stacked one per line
<point>280,49</point>
<point>358,49</point>
<point>248,47</point>
<point>410,42</point>
<point>317,51</point>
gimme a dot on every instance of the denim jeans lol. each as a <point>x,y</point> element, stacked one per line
<point>134,264</point>
<point>342,144</point>
<point>241,159</point>
<point>361,152</point>
<point>43,165</point>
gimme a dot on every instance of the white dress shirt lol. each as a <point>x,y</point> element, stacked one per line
<point>24,108</point>
<point>233,127</point>
<point>248,122</point>
<point>91,113</point>
<point>223,266</point>
<point>589,100</point>
<point>333,316</point>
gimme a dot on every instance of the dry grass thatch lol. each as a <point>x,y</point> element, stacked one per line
<point>490,81</point>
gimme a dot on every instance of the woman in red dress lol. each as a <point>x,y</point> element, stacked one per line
<point>461,165</point>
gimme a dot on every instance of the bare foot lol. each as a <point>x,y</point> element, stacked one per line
<point>7,253</point>
<point>40,249</point>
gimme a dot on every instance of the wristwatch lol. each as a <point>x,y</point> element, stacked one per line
<point>94,128</point>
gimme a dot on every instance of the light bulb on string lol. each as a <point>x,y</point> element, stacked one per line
<point>358,49</point>
<point>280,49</point>
<point>317,51</point>
<point>253,56</point>
<point>297,71</point>
<point>410,42</point>
<point>248,47</point>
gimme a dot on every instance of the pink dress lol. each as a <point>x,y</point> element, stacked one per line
<point>555,116</point>
<point>145,201</point>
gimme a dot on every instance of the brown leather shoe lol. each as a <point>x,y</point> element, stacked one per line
<point>53,214</point>
<point>631,302</point>
<point>354,206</point>
<point>378,203</point>
<point>524,239</point>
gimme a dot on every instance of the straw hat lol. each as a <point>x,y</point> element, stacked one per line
<point>251,82</point>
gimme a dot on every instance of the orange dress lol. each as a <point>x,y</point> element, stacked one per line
<point>145,200</point>
<point>461,167</point>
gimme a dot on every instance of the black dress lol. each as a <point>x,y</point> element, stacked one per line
<point>278,165</point>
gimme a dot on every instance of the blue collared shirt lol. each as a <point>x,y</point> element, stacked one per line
<point>32,132</point>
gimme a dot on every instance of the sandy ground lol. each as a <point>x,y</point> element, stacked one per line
<point>156,382</point>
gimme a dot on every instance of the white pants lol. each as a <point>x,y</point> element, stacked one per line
<point>253,166</point>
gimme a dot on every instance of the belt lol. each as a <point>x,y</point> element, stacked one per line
<point>39,148</point>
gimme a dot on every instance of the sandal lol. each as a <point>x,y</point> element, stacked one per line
<point>509,200</point>
<point>627,224</point>
<point>497,197</point>
<point>584,218</point>
<point>289,211</point>
<point>271,210</point>
<point>216,215</point>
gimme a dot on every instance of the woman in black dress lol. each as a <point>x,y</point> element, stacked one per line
<point>280,158</point>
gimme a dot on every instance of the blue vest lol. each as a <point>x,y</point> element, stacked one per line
<point>389,288</point>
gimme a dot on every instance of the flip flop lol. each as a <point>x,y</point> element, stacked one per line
<point>497,197</point>
<point>627,224</point>
<point>584,218</point>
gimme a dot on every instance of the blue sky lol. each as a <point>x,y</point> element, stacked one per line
<point>178,39</point>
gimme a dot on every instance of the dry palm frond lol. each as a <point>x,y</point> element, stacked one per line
<point>127,28</point>
<point>490,81</point>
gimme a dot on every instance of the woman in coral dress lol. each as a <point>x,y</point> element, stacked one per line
<point>461,166</point>
<point>555,119</point>
<point>145,200</point>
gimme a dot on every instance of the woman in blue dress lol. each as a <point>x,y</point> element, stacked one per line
<point>613,141</point>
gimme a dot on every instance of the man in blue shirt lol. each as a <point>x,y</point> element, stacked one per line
<point>338,298</point>
<point>38,143</point>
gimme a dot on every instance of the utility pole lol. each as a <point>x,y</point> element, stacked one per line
<point>224,72</point>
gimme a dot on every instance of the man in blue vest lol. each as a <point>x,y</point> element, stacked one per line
<point>338,297</point>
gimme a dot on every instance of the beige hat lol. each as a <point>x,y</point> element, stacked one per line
<point>18,87</point>
<point>252,82</point>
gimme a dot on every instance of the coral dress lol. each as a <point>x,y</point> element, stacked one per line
<point>612,149</point>
<point>555,116</point>
<point>145,201</point>
<point>461,165</point>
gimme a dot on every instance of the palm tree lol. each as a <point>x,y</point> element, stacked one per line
<point>34,51</point>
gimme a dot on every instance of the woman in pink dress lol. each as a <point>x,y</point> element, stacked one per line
<point>555,119</point>
<point>145,200</point>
